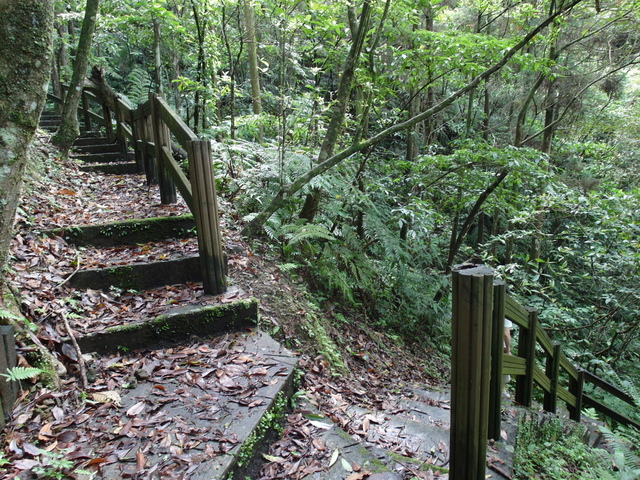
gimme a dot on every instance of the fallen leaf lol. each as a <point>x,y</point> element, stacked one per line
<point>321,425</point>
<point>271,458</point>
<point>346,465</point>
<point>140,461</point>
<point>135,409</point>
<point>358,475</point>
<point>110,396</point>
<point>45,433</point>
<point>334,457</point>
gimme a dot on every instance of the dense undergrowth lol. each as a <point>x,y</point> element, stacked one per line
<point>547,447</point>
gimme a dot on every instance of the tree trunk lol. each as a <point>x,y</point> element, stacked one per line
<point>252,52</point>
<point>339,109</point>
<point>69,129</point>
<point>26,28</point>
<point>157,57</point>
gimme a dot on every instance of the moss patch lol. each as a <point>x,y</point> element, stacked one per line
<point>128,232</point>
<point>176,325</point>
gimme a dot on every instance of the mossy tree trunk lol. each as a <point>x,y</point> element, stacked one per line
<point>26,30</point>
<point>69,129</point>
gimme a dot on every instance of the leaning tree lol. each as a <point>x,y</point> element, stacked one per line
<point>26,30</point>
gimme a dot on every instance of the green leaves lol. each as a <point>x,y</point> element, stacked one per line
<point>17,374</point>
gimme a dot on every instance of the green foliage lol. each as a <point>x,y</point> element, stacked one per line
<point>18,374</point>
<point>549,448</point>
<point>626,456</point>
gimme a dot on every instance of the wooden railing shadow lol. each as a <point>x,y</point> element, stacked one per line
<point>151,131</point>
<point>480,305</point>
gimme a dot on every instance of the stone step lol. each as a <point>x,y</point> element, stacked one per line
<point>91,139</point>
<point>97,148</point>
<point>112,168</point>
<point>101,157</point>
<point>127,232</point>
<point>203,423</point>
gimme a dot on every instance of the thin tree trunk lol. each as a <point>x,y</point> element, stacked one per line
<point>339,109</point>
<point>455,245</point>
<point>69,129</point>
<point>199,110</point>
<point>252,52</point>
<point>157,57</point>
<point>26,29</point>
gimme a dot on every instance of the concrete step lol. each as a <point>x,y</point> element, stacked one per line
<point>97,148</point>
<point>127,232</point>
<point>203,422</point>
<point>140,276</point>
<point>407,439</point>
<point>91,139</point>
<point>112,168</point>
<point>101,157</point>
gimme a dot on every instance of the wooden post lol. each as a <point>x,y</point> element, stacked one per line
<point>527,350</point>
<point>121,137</point>
<point>162,138</point>
<point>470,370</point>
<point>135,137</point>
<point>150,166</point>
<point>139,139</point>
<point>85,112</point>
<point>8,359</point>
<point>108,126</point>
<point>212,258</point>
<point>497,352</point>
<point>576,387</point>
<point>552,371</point>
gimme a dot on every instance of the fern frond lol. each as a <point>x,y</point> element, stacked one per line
<point>21,373</point>
<point>298,233</point>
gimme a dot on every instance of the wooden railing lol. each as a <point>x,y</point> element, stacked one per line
<point>8,360</point>
<point>480,305</point>
<point>149,131</point>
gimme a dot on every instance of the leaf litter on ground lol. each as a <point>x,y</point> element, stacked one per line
<point>67,421</point>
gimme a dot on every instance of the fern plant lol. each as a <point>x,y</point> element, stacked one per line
<point>17,374</point>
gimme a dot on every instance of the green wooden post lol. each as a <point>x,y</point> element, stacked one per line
<point>527,350</point>
<point>576,387</point>
<point>497,351</point>
<point>212,258</point>
<point>470,371</point>
<point>550,403</point>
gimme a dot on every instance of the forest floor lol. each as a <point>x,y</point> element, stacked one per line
<point>380,370</point>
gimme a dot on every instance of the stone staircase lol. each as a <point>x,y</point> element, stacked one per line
<point>220,416</point>
<point>97,153</point>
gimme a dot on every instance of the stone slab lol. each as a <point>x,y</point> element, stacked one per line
<point>140,276</point>
<point>176,325</point>
<point>219,421</point>
<point>128,232</point>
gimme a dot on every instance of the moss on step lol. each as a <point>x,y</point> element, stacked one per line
<point>316,332</point>
<point>128,232</point>
<point>179,323</point>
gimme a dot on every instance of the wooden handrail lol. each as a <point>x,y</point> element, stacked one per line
<point>552,371</point>
<point>149,130</point>
<point>557,367</point>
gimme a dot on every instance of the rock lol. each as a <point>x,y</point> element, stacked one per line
<point>141,374</point>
